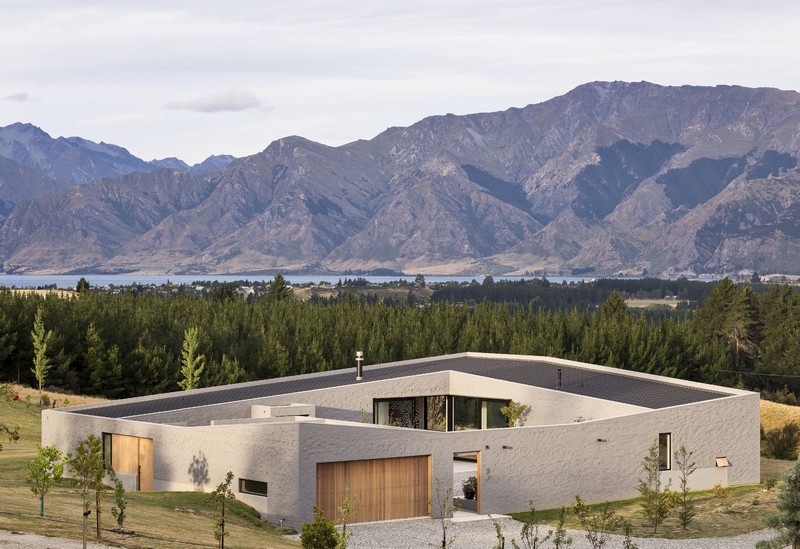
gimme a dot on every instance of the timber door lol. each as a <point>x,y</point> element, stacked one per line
<point>133,455</point>
<point>382,489</point>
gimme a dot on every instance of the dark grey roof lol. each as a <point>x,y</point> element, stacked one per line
<point>619,387</point>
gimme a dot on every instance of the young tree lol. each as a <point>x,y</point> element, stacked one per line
<point>86,463</point>
<point>346,514</point>
<point>529,536</point>
<point>41,339</point>
<point>218,497</point>
<point>118,511</point>
<point>444,509</point>
<point>11,432</point>
<point>789,507</point>
<point>560,536</point>
<point>655,506</point>
<point>43,471</point>
<point>598,526</point>
<point>685,466</point>
<point>192,363</point>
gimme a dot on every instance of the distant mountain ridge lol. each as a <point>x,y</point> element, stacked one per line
<point>610,178</point>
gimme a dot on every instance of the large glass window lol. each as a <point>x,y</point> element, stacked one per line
<point>664,451</point>
<point>436,413</point>
<point>466,413</point>
<point>397,413</point>
<point>495,419</point>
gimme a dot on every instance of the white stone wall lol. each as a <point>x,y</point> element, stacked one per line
<point>264,452</point>
<point>552,464</point>
<point>550,459</point>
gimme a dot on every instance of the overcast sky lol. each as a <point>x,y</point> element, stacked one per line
<point>199,77</point>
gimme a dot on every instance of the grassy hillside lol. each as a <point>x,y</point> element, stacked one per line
<point>774,415</point>
<point>160,520</point>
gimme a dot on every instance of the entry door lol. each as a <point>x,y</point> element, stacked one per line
<point>134,456</point>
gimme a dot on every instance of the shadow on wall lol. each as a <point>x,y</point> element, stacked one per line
<point>198,471</point>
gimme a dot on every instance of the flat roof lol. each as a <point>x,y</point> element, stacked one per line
<point>598,382</point>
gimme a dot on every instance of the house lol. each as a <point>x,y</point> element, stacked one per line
<point>391,437</point>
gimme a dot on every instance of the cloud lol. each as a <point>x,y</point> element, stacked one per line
<point>21,97</point>
<point>223,101</point>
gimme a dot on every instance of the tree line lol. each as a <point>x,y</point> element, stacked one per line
<point>130,344</point>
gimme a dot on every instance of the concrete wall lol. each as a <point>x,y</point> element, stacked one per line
<point>552,464</point>
<point>550,460</point>
<point>264,452</point>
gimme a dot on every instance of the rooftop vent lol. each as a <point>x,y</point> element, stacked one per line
<point>359,360</point>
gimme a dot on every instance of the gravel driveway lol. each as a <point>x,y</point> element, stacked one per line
<point>480,534</point>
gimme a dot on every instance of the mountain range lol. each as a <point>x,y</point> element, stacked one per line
<point>610,178</point>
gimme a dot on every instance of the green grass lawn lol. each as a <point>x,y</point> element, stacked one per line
<point>741,511</point>
<point>159,519</point>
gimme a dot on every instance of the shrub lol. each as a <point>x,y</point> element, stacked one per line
<point>770,483</point>
<point>782,443</point>
<point>320,533</point>
<point>719,490</point>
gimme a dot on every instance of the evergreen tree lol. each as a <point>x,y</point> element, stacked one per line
<point>41,362</point>
<point>279,290</point>
<point>789,506</point>
<point>654,502</point>
<point>192,362</point>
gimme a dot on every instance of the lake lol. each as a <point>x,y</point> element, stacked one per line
<point>70,281</point>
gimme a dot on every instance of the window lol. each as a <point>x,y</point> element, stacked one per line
<point>253,487</point>
<point>397,412</point>
<point>107,450</point>
<point>495,419</point>
<point>466,413</point>
<point>436,413</point>
<point>665,451</point>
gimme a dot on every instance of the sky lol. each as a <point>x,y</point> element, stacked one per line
<point>199,77</point>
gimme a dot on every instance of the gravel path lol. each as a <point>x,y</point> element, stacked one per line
<point>30,541</point>
<point>480,534</point>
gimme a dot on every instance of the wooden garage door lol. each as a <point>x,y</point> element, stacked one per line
<point>382,489</point>
<point>133,455</point>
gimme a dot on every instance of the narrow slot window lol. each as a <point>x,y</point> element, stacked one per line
<point>665,451</point>
<point>253,487</point>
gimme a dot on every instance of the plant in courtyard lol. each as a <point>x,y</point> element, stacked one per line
<point>560,536</point>
<point>86,462</point>
<point>598,525</point>
<point>43,471</point>
<point>655,496</point>
<point>218,497</point>
<point>529,536</point>
<point>192,364</point>
<point>470,487</point>
<point>685,466</point>
<point>719,490</point>
<point>513,412</point>
<point>121,502</point>
<point>346,514</point>
<point>41,362</point>
<point>320,533</point>
<point>9,432</point>
<point>787,520</point>
<point>443,509</point>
